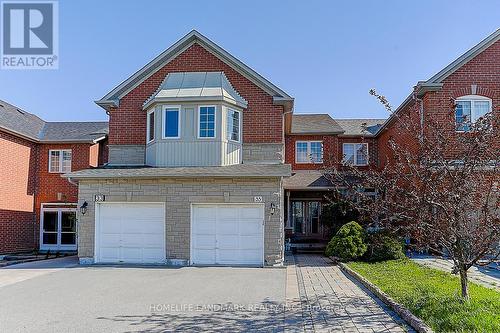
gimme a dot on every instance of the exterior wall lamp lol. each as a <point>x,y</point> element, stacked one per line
<point>83,208</point>
<point>273,208</point>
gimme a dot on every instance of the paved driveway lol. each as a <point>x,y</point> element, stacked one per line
<point>60,296</point>
<point>134,299</point>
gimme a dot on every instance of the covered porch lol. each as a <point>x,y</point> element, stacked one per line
<point>305,195</point>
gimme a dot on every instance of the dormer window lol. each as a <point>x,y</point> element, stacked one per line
<point>206,121</point>
<point>469,109</point>
<point>171,122</point>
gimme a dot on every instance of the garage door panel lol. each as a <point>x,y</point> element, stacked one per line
<point>250,242</point>
<point>228,242</point>
<point>204,241</point>
<point>253,227</point>
<point>131,233</point>
<point>236,234</point>
<point>228,227</point>
<point>204,257</point>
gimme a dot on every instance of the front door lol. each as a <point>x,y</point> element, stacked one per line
<point>306,218</point>
<point>58,229</point>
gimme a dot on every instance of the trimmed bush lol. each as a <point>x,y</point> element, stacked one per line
<point>382,246</point>
<point>348,243</point>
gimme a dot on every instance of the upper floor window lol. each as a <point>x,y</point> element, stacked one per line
<point>233,125</point>
<point>206,122</point>
<point>469,109</point>
<point>60,160</point>
<point>309,152</point>
<point>151,126</point>
<point>355,153</point>
<point>171,122</point>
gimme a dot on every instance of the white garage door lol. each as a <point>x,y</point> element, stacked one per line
<point>227,235</point>
<point>130,233</point>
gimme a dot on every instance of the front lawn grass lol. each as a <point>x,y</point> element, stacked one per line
<point>434,296</point>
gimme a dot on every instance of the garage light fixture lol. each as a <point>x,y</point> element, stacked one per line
<point>273,208</point>
<point>83,207</point>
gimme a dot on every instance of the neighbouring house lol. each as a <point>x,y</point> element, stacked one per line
<point>317,142</point>
<point>37,206</point>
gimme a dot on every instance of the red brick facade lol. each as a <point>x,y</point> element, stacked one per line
<point>18,183</point>
<point>262,121</point>
<point>25,183</point>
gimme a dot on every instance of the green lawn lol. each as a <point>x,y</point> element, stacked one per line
<point>433,296</point>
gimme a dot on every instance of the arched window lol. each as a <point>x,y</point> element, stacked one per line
<point>469,109</point>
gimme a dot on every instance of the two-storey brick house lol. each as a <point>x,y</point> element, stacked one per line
<point>37,206</point>
<point>196,164</point>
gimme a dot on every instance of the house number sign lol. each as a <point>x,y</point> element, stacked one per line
<point>258,199</point>
<point>99,197</point>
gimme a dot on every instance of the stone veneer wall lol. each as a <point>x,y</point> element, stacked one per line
<point>263,152</point>
<point>127,154</point>
<point>179,194</point>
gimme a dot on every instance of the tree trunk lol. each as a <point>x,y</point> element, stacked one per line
<point>463,282</point>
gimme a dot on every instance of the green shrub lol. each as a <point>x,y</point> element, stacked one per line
<point>348,243</point>
<point>383,246</point>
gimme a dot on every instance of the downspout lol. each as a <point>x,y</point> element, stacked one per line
<point>421,111</point>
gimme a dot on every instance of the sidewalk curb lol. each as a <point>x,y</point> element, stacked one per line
<point>403,312</point>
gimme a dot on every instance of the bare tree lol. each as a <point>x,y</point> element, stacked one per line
<point>439,186</point>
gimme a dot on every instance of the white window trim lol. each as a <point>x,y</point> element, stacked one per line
<point>60,160</point>
<point>164,118</point>
<point>355,155</point>
<point>148,126</point>
<point>215,123</point>
<point>59,211</point>
<point>309,161</point>
<point>239,125</point>
<point>471,98</point>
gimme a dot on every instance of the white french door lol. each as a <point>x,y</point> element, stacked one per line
<point>58,229</point>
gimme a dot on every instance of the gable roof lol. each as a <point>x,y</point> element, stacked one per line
<point>22,123</point>
<point>436,81</point>
<point>188,86</point>
<point>355,127</point>
<point>113,97</point>
<point>314,124</point>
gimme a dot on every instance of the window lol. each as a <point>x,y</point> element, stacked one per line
<point>355,153</point>
<point>469,109</point>
<point>151,126</point>
<point>60,161</point>
<point>309,152</point>
<point>233,125</point>
<point>171,122</point>
<point>206,121</point>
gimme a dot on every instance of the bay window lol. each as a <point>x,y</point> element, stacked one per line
<point>171,122</point>
<point>233,125</point>
<point>206,122</point>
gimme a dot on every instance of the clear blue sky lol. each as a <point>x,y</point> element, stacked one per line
<point>326,54</point>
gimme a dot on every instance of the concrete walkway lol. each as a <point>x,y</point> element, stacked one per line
<point>320,298</point>
<point>486,276</point>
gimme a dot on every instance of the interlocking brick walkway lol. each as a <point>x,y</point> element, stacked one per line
<point>320,298</point>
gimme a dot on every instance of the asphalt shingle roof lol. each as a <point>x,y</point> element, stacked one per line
<point>18,121</point>
<point>314,124</point>
<point>238,170</point>
<point>357,126</point>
